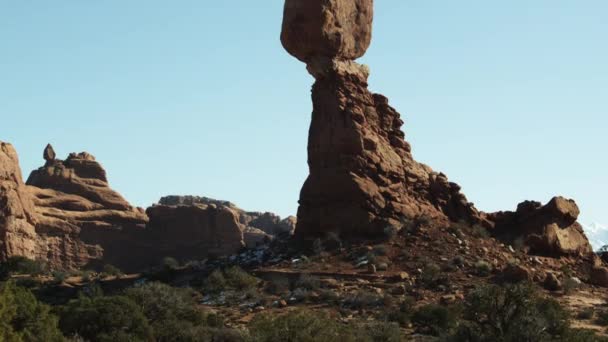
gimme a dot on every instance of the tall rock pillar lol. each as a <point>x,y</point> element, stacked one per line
<point>362,174</point>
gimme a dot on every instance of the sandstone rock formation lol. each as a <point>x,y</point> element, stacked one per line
<point>547,230</point>
<point>74,213</point>
<point>266,222</point>
<point>68,216</point>
<point>195,231</point>
<point>363,177</point>
<point>362,174</point>
<point>17,218</point>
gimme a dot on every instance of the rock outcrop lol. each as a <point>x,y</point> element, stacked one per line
<point>17,218</point>
<point>68,216</point>
<point>362,173</point>
<point>191,232</point>
<point>266,222</point>
<point>551,229</point>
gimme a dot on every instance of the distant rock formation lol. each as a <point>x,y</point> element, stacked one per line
<point>191,232</point>
<point>266,222</point>
<point>68,216</point>
<point>362,174</point>
<point>547,230</point>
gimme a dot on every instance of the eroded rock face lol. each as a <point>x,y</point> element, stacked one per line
<point>547,230</point>
<point>68,216</point>
<point>362,174</point>
<point>266,222</point>
<point>191,232</point>
<point>17,217</point>
<point>329,28</point>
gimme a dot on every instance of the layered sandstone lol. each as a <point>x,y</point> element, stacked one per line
<point>363,177</point>
<point>255,222</point>
<point>17,219</point>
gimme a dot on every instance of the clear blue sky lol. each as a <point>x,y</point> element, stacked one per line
<point>509,98</point>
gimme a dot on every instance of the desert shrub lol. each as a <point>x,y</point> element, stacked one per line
<point>277,286</point>
<point>457,228</point>
<point>111,270</point>
<point>416,225</point>
<point>582,335</point>
<point>173,314</point>
<point>483,268</point>
<point>586,314</point>
<point>215,282</point>
<point>511,313</point>
<point>86,276</point>
<point>170,263</point>
<point>22,265</point>
<point>377,332</point>
<point>479,232</point>
<point>363,299</point>
<point>602,317</point>
<point>239,279</point>
<point>233,278</point>
<point>308,282</point>
<point>380,250</point>
<point>570,285</point>
<point>431,275</point>
<point>329,296</point>
<point>115,319</point>
<point>59,276</point>
<point>434,319</point>
<point>296,326</point>
<point>403,313</point>
<point>24,318</point>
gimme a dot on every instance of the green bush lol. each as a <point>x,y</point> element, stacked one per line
<point>431,275</point>
<point>586,314</point>
<point>434,319</point>
<point>602,317</point>
<point>215,282</point>
<point>363,299</point>
<point>296,326</point>
<point>308,282</point>
<point>24,318</point>
<point>403,313</point>
<point>511,313</point>
<point>22,265</point>
<point>170,263</point>
<point>376,332</point>
<point>238,279</point>
<point>111,319</point>
<point>483,268</point>
<point>170,311</point>
<point>111,270</point>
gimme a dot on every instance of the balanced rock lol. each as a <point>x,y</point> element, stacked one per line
<point>362,174</point>
<point>327,28</point>
<point>49,153</point>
